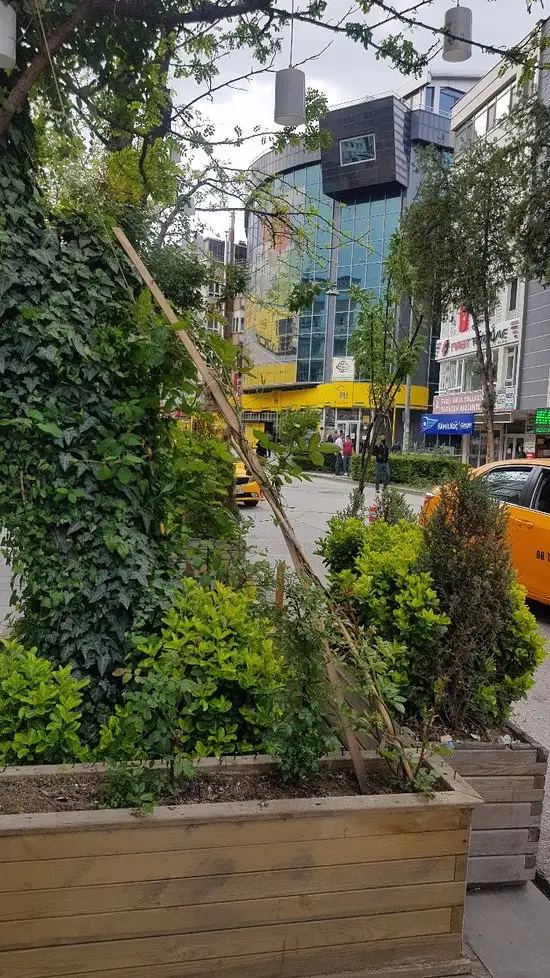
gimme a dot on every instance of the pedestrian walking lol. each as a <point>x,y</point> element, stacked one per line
<point>382,455</point>
<point>347,452</point>
<point>339,464</point>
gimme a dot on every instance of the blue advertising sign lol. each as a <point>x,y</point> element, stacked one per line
<point>447,424</point>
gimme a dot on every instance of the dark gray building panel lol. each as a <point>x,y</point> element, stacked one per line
<point>385,117</point>
<point>535,364</point>
<point>429,127</point>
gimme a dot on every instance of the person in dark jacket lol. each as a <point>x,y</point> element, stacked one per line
<point>382,455</point>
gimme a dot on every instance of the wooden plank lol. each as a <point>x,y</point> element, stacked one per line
<point>141,837</point>
<point>457,918</point>
<point>217,889</point>
<point>462,796</point>
<point>89,871</point>
<point>78,929</point>
<point>502,842</point>
<point>461,867</point>
<point>47,962</point>
<point>498,869</point>
<point>504,789</point>
<point>505,816</point>
<point>444,949</point>
<point>494,762</point>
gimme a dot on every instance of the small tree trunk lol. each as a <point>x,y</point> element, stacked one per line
<point>485,360</point>
<point>366,453</point>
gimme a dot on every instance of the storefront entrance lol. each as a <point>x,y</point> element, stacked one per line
<point>513,445</point>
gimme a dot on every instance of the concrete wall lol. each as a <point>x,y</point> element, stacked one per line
<point>535,362</point>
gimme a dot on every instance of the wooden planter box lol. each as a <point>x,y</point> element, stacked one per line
<point>505,831</point>
<point>369,885</point>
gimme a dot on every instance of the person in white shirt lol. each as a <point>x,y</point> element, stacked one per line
<point>339,464</point>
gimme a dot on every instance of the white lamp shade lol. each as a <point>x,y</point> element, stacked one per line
<point>290,97</point>
<point>8,24</point>
<point>458,22</point>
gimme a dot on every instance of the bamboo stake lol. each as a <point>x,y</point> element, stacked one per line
<point>280,585</point>
<point>300,559</point>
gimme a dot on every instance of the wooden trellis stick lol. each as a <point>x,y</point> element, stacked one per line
<point>300,559</point>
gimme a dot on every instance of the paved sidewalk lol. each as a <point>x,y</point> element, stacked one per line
<point>509,931</point>
<point>345,480</point>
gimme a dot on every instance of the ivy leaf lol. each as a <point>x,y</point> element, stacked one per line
<point>125,476</point>
<point>50,428</point>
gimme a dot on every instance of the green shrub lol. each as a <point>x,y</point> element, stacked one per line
<point>414,468</point>
<point>389,595</point>
<point>519,649</point>
<point>391,506</point>
<point>206,686</point>
<point>492,646</point>
<point>40,709</point>
<point>301,735</point>
<point>343,543</point>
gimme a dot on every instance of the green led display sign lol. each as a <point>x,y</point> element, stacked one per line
<point>542,422</point>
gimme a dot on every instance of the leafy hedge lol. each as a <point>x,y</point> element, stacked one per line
<point>207,685</point>
<point>460,640</point>
<point>414,468</point>
<point>98,487</point>
<point>40,709</point>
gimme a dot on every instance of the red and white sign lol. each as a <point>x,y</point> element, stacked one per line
<point>465,402</point>
<point>462,343</point>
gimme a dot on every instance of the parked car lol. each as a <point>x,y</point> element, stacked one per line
<point>523,485</point>
<point>247,490</point>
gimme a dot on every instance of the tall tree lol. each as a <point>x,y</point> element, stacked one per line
<point>387,345</point>
<point>464,211</point>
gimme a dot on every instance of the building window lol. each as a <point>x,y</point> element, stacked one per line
<point>510,366</point>
<point>237,325</point>
<point>513,295</point>
<point>214,290</point>
<point>470,375</point>
<point>358,149</point>
<point>454,376</point>
<point>448,97</point>
<point>429,97</point>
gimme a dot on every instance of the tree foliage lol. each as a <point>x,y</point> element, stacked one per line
<point>387,345</point>
<point>458,238</point>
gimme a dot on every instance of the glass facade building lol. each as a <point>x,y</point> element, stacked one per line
<point>344,208</point>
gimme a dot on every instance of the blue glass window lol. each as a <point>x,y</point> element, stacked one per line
<point>317,346</point>
<point>318,324</point>
<point>302,371</point>
<point>448,97</point>
<point>373,275</point>
<point>303,346</point>
<point>317,371</point>
<point>340,346</point>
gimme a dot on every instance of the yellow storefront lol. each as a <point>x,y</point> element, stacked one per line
<point>352,394</point>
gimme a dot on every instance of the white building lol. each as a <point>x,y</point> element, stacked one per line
<point>484,112</point>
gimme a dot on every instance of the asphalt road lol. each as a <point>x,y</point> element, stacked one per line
<point>310,506</point>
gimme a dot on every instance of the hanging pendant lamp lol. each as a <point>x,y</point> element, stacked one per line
<point>458,23</point>
<point>8,24</point>
<point>290,90</point>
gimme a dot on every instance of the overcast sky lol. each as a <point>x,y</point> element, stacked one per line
<point>345,71</point>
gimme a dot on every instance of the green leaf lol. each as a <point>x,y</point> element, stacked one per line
<point>50,428</point>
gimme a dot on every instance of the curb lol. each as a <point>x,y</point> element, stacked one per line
<point>343,479</point>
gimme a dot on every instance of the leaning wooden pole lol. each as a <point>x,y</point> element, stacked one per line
<point>301,562</point>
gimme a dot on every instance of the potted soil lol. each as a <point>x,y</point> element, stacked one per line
<point>271,886</point>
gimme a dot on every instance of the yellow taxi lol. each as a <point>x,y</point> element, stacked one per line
<point>247,490</point>
<point>523,485</point>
